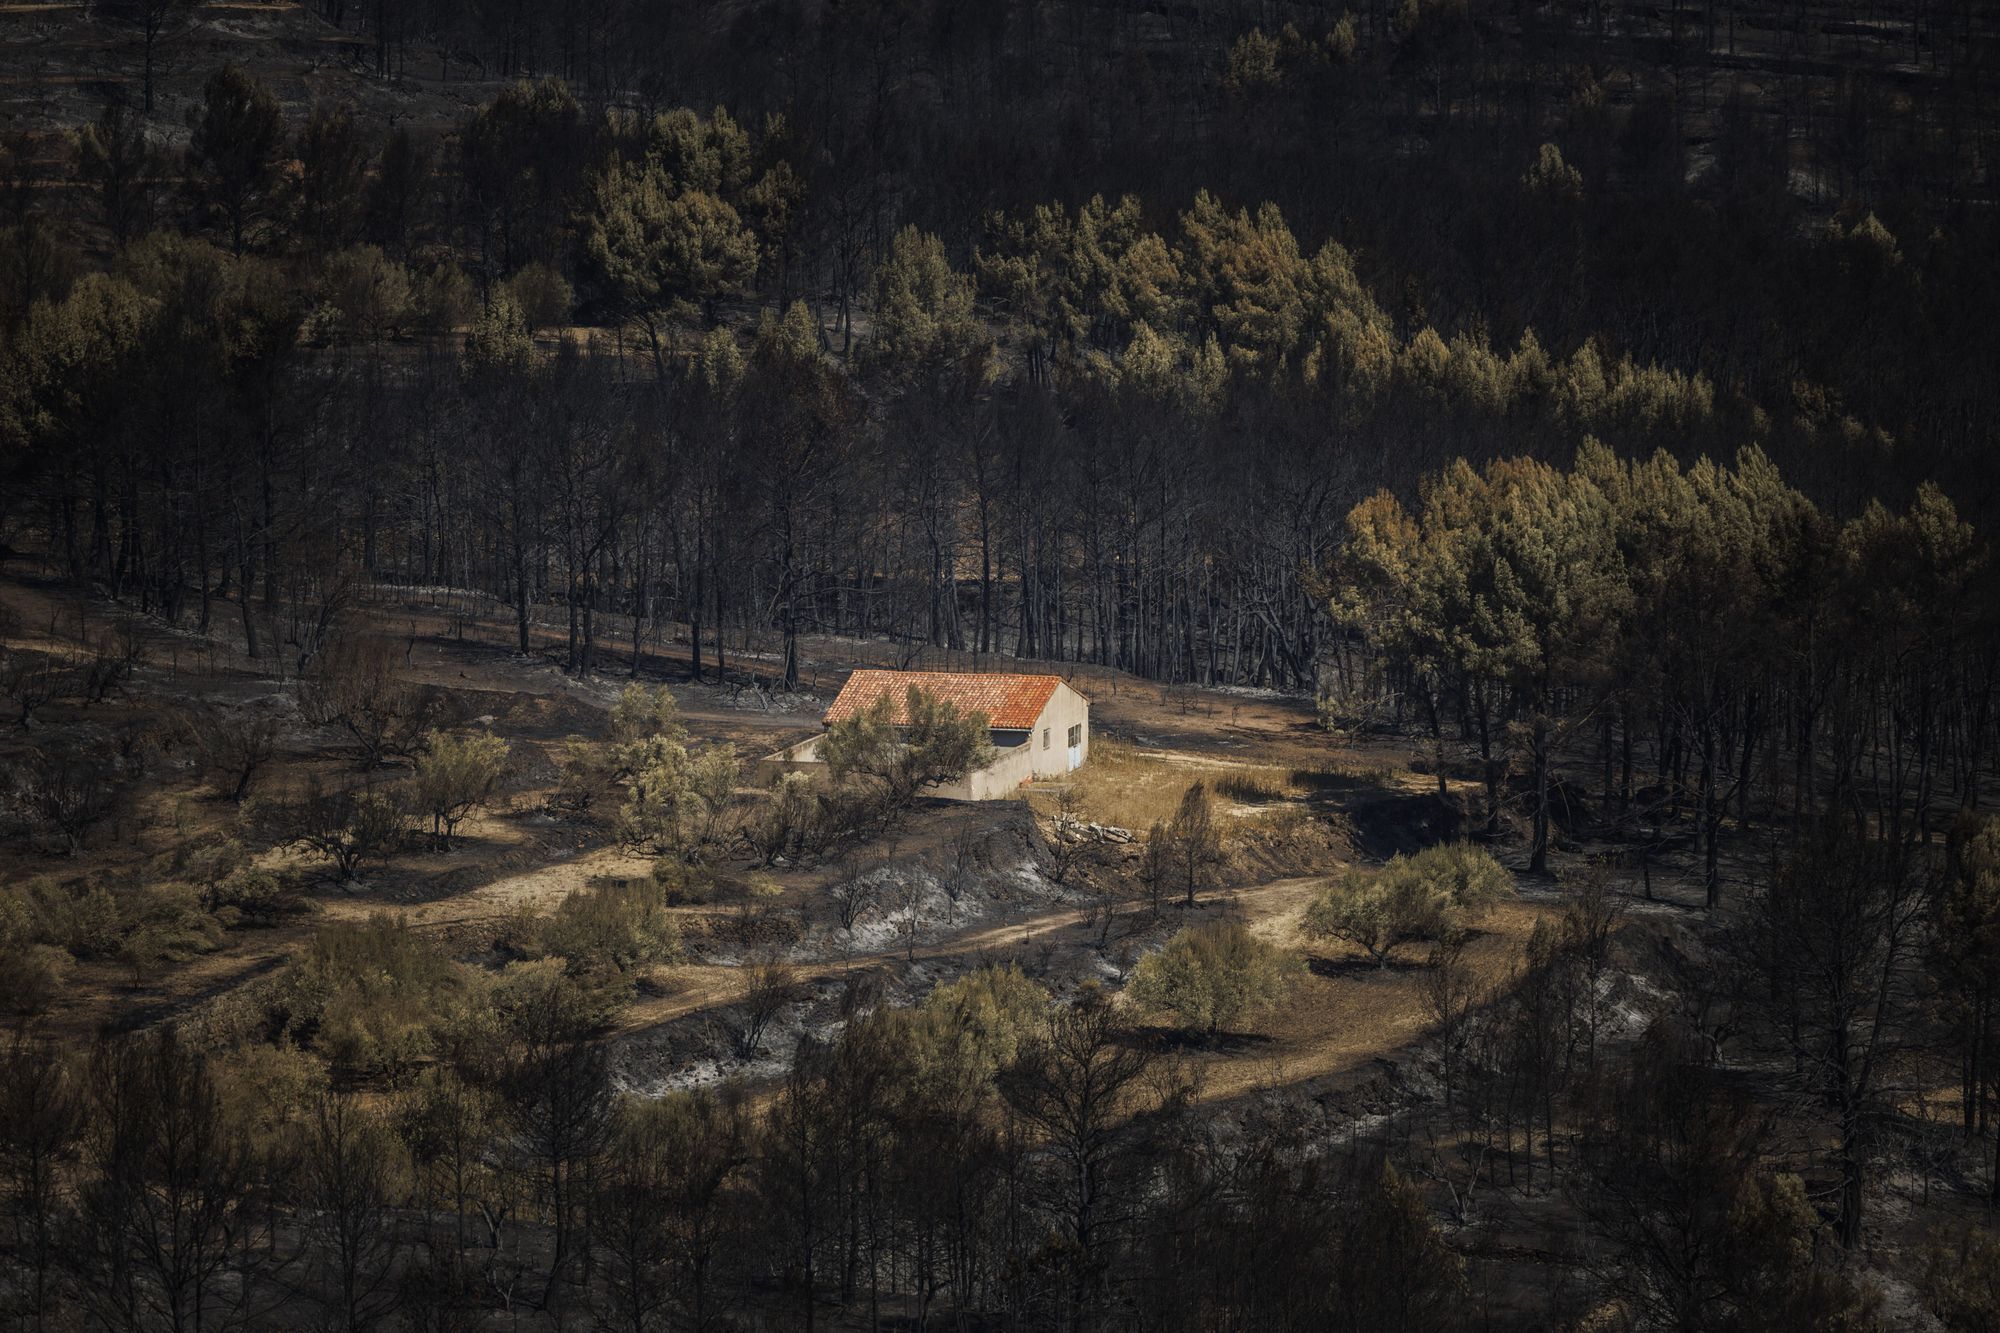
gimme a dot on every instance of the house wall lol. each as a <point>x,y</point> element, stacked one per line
<point>1065,709</point>
<point>1010,768</point>
<point>1012,764</point>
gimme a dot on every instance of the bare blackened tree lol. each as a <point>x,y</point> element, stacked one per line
<point>772,986</point>
<point>345,1194</point>
<point>1836,937</point>
<point>168,1231</point>
<point>1082,1087</point>
<point>559,1098</point>
<point>233,745</point>
<point>41,1116</point>
<point>358,685</point>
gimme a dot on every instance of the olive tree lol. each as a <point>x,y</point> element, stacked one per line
<point>1210,977</point>
<point>455,775</point>
<point>1428,896</point>
<point>928,743</point>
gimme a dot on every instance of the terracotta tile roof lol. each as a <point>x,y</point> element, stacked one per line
<point>1010,702</point>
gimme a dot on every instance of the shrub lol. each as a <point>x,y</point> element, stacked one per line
<point>712,780</point>
<point>442,298</point>
<point>455,775</point>
<point>543,296</point>
<point>640,714</point>
<point>605,935</point>
<point>967,1030</point>
<point>785,827</point>
<point>369,996</point>
<point>681,884</point>
<point>256,898</point>
<point>203,861</point>
<point>165,925</point>
<point>542,1002</point>
<point>31,971</point>
<point>1961,1282</point>
<point>585,771</point>
<point>1212,976</point>
<point>937,745</point>
<point>659,795</point>
<point>81,918</point>
<point>349,826</point>
<point>1422,897</point>
<point>368,293</point>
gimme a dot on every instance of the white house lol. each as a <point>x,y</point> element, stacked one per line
<point>1038,725</point>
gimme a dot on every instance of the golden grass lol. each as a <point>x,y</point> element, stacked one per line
<point>1133,788</point>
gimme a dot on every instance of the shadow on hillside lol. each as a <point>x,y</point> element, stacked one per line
<point>1165,1039</point>
<point>1402,822</point>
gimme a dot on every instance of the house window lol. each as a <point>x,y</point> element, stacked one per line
<point>1045,738</point>
<point>1076,735</point>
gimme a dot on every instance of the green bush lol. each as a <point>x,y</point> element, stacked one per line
<point>455,775</point>
<point>31,971</point>
<point>641,714</point>
<point>229,886</point>
<point>936,745</point>
<point>682,884</point>
<point>1422,897</point>
<point>165,925</point>
<point>605,936</point>
<point>967,1030</point>
<point>1213,976</point>
<point>585,772</point>
<point>659,795</point>
<point>256,898</point>
<point>543,295</point>
<point>81,918</point>
<point>370,997</point>
<point>786,826</point>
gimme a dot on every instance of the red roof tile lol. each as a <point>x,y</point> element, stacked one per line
<point>1010,702</point>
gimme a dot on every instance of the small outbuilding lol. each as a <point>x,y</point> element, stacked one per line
<point>1038,725</point>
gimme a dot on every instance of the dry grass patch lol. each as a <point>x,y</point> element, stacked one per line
<point>1131,787</point>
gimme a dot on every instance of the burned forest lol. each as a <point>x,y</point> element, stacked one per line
<point>1107,666</point>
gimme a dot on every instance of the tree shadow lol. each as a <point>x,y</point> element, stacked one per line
<point>1402,823</point>
<point>1354,969</point>
<point>1167,1039</point>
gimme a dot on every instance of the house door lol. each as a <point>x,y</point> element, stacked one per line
<point>1075,747</point>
